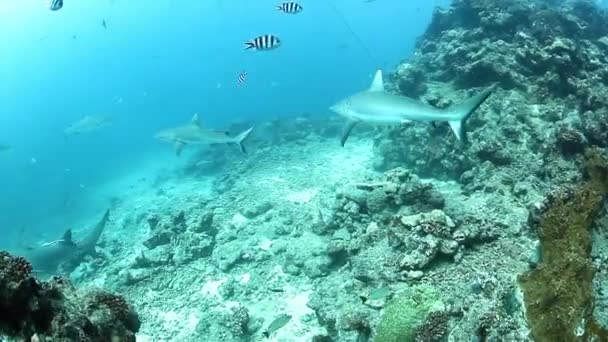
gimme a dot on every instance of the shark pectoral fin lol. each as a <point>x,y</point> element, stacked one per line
<point>348,127</point>
<point>457,129</point>
<point>195,120</point>
<point>240,139</point>
<point>377,83</point>
<point>179,146</point>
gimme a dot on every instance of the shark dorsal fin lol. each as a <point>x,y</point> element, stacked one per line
<point>195,121</point>
<point>67,237</point>
<point>377,83</point>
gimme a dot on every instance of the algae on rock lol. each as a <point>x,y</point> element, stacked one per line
<point>558,293</point>
<point>406,312</point>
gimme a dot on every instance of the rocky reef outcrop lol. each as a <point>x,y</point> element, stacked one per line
<point>549,59</point>
<point>32,310</point>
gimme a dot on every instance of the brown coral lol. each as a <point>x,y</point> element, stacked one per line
<point>558,293</point>
<point>14,269</point>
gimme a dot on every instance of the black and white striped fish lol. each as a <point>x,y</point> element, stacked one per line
<point>290,7</point>
<point>55,5</point>
<point>265,42</point>
<point>241,79</point>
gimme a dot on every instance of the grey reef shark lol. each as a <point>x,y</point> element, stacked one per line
<point>87,124</point>
<point>48,257</point>
<point>193,134</point>
<point>4,148</point>
<point>377,107</point>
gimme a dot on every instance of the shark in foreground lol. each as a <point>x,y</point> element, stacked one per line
<point>87,124</point>
<point>193,133</point>
<point>377,107</point>
<point>47,257</point>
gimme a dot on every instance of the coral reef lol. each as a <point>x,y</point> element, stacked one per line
<point>32,310</point>
<point>558,292</point>
<point>405,313</point>
<point>549,59</point>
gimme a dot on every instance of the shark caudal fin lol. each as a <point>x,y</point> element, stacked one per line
<point>462,112</point>
<point>240,139</point>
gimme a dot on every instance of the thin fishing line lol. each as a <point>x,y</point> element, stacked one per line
<point>353,33</point>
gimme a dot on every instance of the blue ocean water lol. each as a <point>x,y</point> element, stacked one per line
<point>153,66</point>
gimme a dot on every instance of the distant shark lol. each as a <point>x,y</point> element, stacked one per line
<point>192,133</point>
<point>87,124</point>
<point>377,107</point>
<point>47,257</point>
<point>4,148</point>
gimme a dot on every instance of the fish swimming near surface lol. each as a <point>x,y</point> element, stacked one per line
<point>242,78</point>
<point>193,134</point>
<point>290,7</point>
<point>47,257</point>
<point>55,5</point>
<point>377,107</point>
<point>87,124</point>
<point>277,324</point>
<point>104,24</point>
<point>263,43</point>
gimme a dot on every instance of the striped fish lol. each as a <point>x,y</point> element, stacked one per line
<point>55,5</point>
<point>265,42</point>
<point>290,7</point>
<point>242,78</point>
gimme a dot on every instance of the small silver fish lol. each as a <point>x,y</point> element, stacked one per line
<point>277,324</point>
<point>377,294</point>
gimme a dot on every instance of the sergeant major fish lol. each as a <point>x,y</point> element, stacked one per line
<point>290,7</point>
<point>55,5</point>
<point>264,42</point>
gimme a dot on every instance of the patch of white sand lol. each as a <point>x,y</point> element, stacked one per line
<point>302,197</point>
<point>211,288</point>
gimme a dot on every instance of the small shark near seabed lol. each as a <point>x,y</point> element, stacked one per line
<point>377,107</point>
<point>87,124</point>
<point>47,257</point>
<point>192,133</point>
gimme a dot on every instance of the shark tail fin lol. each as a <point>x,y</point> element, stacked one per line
<point>240,139</point>
<point>464,110</point>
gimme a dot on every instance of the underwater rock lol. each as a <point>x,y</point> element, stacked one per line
<point>257,209</point>
<point>558,292</point>
<point>56,311</point>
<point>422,237</point>
<point>543,55</point>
